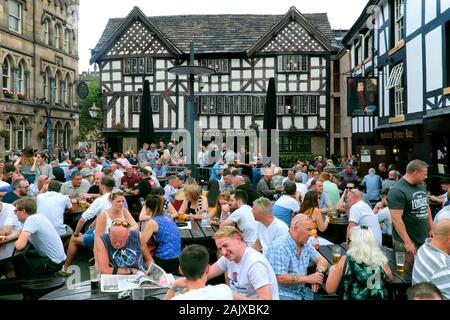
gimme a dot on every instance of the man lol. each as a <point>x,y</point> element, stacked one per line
<point>290,255</point>
<point>409,208</point>
<point>302,189</point>
<point>287,206</point>
<point>145,185</point>
<point>242,216</point>
<point>94,190</point>
<point>264,187</point>
<point>269,227</point>
<point>226,183</point>
<point>122,251</point>
<point>38,187</point>
<point>290,176</point>
<point>173,185</point>
<point>348,175</point>
<point>77,166</point>
<point>216,171</point>
<point>228,156</point>
<point>383,214</point>
<point>432,262</point>
<point>424,291</point>
<point>143,153</point>
<point>87,240</point>
<point>38,230</point>
<point>160,173</point>
<point>153,155</point>
<point>194,265</point>
<point>95,166</point>
<point>444,213</point>
<point>58,171</point>
<point>52,205</point>
<point>325,205</point>
<point>129,179</point>
<point>9,223</point>
<point>442,199</point>
<point>390,181</point>
<point>382,171</point>
<point>250,274</point>
<point>185,174</point>
<point>303,174</point>
<point>361,214</point>
<point>330,189</point>
<point>117,174</point>
<point>372,182</point>
<point>76,187</point>
<point>240,184</point>
<point>21,187</point>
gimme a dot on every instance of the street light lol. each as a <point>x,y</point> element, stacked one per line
<point>191,70</point>
<point>48,113</point>
<point>94,111</point>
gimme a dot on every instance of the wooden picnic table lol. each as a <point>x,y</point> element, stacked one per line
<point>400,281</point>
<point>84,292</point>
<point>336,231</point>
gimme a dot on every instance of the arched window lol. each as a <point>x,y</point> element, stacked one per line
<point>46,30</point>
<point>6,75</point>
<point>45,81</point>
<point>19,81</point>
<point>8,140</point>
<point>57,35</point>
<point>67,136</point>
<point>20,135</point>
<point>66,40</point>
<point>53,90</point>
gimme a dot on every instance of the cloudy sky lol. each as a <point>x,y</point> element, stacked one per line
<point>94,14</point>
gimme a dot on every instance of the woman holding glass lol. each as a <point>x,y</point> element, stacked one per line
<point>194,204</point>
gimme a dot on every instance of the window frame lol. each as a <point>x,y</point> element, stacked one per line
<point>46,30</point>
<point>399,22</point>
<point>19,82</point>
<point>6,76</point>
<point>212,63</point>
<point>17,18</point>
<point>57,36</point>
<point>283,62</point>
<point>66,41</point>
<point>399,99</point>
<point>138,66</point>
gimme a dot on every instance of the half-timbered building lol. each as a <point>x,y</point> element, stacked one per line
<point>405,44</point>
<point>244,50</point>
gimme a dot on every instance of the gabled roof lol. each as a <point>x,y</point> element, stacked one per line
<point>294,15</point>
<point>121,26</point>
<point>215,33</point>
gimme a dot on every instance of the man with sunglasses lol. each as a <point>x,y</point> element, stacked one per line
<point>122,251</point>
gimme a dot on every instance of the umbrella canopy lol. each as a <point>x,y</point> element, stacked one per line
<point>270,110</point>
<point>146,129</point>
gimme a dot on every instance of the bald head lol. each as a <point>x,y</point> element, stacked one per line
<point>119,235</point>
<point>238,181</point>
<point>442,229</point>
<point>300,229</point>
<point>299,220</point>
<point>392,175</point>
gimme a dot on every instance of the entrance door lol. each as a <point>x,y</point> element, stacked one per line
<point>370,157</point>
<point>114,144</point>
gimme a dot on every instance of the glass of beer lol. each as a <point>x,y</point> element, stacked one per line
<point>181,216</point>
<point>336,250</point>
<point>74,204</point>
<point>83,205</point>
<point>400,261</point>
<point>94,273</point>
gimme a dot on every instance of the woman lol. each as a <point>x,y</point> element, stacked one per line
<point>167,208</point>
<point>352,275</point>
<point>24,164</point>
<point>41,167</point>
<point>165,158</point>
<point>222,209</point>
<point>195,203</point>
<point>277,179</point>
<point>212,193</point>
<point>133,159</point>
<point>168,239</point>
<point>117,211</point>
<point>310,208</point>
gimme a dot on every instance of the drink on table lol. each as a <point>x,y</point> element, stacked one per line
<point>181,216</point>
<point>94,273</point>
<point>83,205</point>
<point>74,204</point>
<point>336,254</point>
<point>400,261</point>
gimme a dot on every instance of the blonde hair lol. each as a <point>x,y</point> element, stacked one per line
<point>364,248</point>
<point>227,232</point>
<point>193,191</point>
<point>223,196</point>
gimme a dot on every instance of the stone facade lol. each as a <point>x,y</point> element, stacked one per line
<point>39,62</point>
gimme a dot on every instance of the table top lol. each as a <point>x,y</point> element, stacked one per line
<point>84,292</point>
<point>197,232</point>
<point>341,220</point>
<point>399,278</point>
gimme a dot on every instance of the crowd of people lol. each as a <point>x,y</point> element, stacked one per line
<point>125,210</point>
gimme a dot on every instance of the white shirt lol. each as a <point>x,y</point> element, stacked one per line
<point>4,184</point>
<point>246,222</point>
<point>267,235</point>
<point>252,272</point>
<point>44,238</point>
<point>384,217</point>
<point>302,189</point>
<point>288,202</point>
<point>9,218</point>
<point>100,204</point>
<point>443,214</point>
<point>117,175</point>
<point>218,292</point>
<point>52,205</point>
<point>362,214</point>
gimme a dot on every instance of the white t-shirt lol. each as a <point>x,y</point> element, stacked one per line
<point>4,184</point>
<point>252,272</point>
<point>384,217</point>
<point>44,238</point>
<point>246,222</point>
<point>302,189</point>
<point>117,175</point>
<point>218,292</point>
<point>52,205</point>
<point>443,214</point>
<point>9,218</point>
<point>362,214</point>
<point>100,204</point>
<point>288,202</point>
<point>267,235</point>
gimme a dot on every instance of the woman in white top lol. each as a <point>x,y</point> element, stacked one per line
<point>117,211</point>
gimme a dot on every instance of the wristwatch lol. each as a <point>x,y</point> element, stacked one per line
<point>320,271</point>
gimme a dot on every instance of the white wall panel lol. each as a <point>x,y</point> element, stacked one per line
<point>445,4</point>
<point>430,9</point>
<point>312,122</point>
<point>136,121</point>
<point>414,14</point>
<point>415,75</point>
<point>433,47</point>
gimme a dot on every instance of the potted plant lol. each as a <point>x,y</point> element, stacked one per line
<point>21,96</point>
<point>120,126</point>
<point>254,126</point>
<point>8,94</point>
<point>4,133</point>
<point>292,129</point>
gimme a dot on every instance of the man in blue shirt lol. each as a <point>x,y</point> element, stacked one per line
<point>290,256</point>
<point>160,173</point>
<point>372,183</point>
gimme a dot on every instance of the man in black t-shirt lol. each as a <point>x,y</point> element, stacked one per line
<point>408,204</point>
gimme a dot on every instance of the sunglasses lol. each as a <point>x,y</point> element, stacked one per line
<point>126,224</point>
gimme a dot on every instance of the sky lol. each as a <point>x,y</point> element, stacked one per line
<point>94,14</point>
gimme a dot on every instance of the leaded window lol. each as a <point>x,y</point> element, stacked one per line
<point>293,63</point>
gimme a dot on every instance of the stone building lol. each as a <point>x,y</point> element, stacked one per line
<point>39,62</point>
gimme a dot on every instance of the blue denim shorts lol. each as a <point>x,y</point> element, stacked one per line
<point>88,238</point>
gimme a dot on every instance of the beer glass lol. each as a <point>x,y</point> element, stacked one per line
<point>181,216</point>
<point>94,273</point>
<point>83,205</point>
<point>400,261</point>
<point>74,204</point>
<point>336,250</point>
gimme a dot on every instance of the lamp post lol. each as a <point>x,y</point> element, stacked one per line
<point>94,111</point>
<point>191,70</point>
<point>48,113</point>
